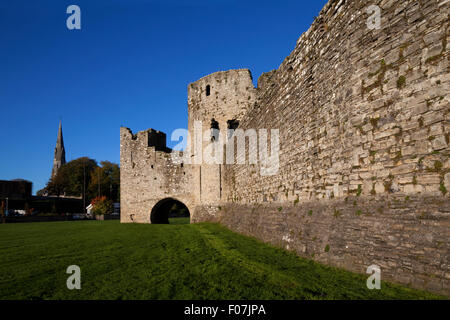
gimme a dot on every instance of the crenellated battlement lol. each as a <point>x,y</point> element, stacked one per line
<point>148,138</point>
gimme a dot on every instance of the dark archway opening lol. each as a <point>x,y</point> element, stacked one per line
<point>170,211</point>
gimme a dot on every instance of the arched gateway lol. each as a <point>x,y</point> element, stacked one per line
<point>168,208</point>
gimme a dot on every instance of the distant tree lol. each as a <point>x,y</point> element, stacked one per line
<point>85,174</point>
<point>105,181</point>
<point>2,211</point>
<point>72,178</point>
<point>178,211</point>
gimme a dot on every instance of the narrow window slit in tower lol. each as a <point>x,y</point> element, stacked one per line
<point>208,90</point>
<point>232,125</point>
<point>214,130</point>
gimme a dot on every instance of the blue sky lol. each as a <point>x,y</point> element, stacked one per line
<point>129,65</point>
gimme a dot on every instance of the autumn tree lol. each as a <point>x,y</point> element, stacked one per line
<point>102,205</point>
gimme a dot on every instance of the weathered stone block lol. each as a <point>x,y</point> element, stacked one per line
<point>447,182</point>
<point>411,188</point>
<point>404,168</point>
<point>439,143</point>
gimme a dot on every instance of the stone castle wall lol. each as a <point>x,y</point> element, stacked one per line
<point>359,111</point>
<point>148,172</point>
<point>364,146</point>
<point>363,118</point>
<point>148,175</point>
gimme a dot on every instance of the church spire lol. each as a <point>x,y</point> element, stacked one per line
<point>60,152</point>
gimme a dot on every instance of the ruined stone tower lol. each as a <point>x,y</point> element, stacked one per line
<point>217,101</point>
<point>60,153</point>
<point>364,160</point>
<point>149,176</point>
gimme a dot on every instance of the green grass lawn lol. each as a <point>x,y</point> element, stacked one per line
<point>178,261</point>
<point>179,220</point>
